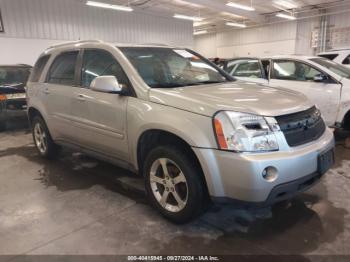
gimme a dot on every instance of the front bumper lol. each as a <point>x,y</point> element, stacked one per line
<point>13,109</point>
<point>239,176</point>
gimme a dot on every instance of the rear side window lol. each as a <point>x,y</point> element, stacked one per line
<point>347,60</point>
<point>329,56</point>
<point>249,68</point>
<point>62,70</point>
<point>38,68</point>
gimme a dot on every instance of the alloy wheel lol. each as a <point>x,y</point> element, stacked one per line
<point>169,185</point>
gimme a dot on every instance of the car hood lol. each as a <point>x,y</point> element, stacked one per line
<point>236,96</point>
<point>12,88</point>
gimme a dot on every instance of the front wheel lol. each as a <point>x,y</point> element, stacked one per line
<point>42,139</point>
<point>174,185</point>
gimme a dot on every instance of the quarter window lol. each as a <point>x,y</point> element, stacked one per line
<point>347,60</point>
<point>293,70</point>
<point>101,63</point>
<point>62,70</point>
<point>38,68</point>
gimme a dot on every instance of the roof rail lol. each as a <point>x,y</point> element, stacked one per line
<point>75,42</point>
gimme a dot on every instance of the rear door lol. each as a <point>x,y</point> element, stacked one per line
<point>299,76</point>
<point>57,92</point>
<point>247,70</point>
<point>100,118</point>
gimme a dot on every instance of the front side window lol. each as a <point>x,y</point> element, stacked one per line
<point>246,68</point>
<point>100,63</point>
<point>13,76</point>
<point>171,67</point>
<point>62,70</point>
<point>38,68</point>
<point>293,70</point>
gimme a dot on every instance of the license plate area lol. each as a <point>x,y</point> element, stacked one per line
<point>325,161</point>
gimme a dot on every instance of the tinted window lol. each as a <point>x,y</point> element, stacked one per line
<point>336,68</point>
<point>38,68</point>
<point>168,67</point>
<point>248,68</point>
<point>347,60</point>
<point>293,70</point>
<point>13,75</point>
<point>101,63</point>
<point>329,56</point>
<point>62,70</point>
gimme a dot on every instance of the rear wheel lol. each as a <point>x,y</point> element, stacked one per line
<point>42,139</point>
<point>173,184</point>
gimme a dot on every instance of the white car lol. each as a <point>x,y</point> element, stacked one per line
<point>341,56</point>
<point>324,82</point>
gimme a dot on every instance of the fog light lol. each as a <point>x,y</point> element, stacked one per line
<point>270,173</point>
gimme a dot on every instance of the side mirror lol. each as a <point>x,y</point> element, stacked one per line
<point>320,78</point>
<point>106,84</point>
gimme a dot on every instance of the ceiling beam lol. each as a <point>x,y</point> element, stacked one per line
<point>253,16</point>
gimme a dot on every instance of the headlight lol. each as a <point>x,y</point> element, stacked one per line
<point>244,132</point>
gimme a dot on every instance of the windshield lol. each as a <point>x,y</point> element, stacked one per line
<point>168,67</point>
<point>11,76</point>
<point>333,66</point>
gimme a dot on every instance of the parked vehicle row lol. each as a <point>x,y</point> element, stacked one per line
<point>13,79</point>
<point>324,82</point>
<point>187,126</point>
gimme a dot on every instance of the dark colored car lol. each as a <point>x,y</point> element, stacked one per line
<point>13,80</point>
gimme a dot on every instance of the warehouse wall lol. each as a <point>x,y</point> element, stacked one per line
<point>32,25</point>
<point>283,38</point>
<point>258,41</point>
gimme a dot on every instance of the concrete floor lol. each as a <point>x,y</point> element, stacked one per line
<point>77,205</point>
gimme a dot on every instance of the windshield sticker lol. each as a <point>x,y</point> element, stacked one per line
<point>185,53</point>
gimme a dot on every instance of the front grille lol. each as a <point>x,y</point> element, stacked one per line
<point>302,127</point>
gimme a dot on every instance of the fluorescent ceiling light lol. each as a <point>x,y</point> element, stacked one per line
<point>282,15</point>
<point>239,6</point>
<point>236,24</point>
<point>286,4</point>
<point>186,17</point>
<point>201,32</point>
<point>109,6</point>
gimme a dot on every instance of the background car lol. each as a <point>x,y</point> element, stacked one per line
<point>324,82</point>
<point>13,79</point>
<point>341,56</point>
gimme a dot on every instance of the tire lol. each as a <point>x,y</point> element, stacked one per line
<point>42,139</point>
<point>185,194</point>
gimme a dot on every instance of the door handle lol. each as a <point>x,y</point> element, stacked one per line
<point>81,98</point>
<point>46,91</point>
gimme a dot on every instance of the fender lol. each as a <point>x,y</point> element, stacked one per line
<point>194,129</point>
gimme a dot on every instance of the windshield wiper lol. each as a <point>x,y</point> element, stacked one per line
<point>167,85</point>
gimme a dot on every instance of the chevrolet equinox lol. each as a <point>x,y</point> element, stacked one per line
<point>193,131</point>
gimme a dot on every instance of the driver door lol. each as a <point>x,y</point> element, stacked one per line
<point>100,118</point>
<point>299,76</point>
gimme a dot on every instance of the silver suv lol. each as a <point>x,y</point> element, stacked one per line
<point>192,131</point>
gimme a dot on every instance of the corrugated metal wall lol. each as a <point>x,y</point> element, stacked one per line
<point>32,25</point>
<point>72,20</point>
